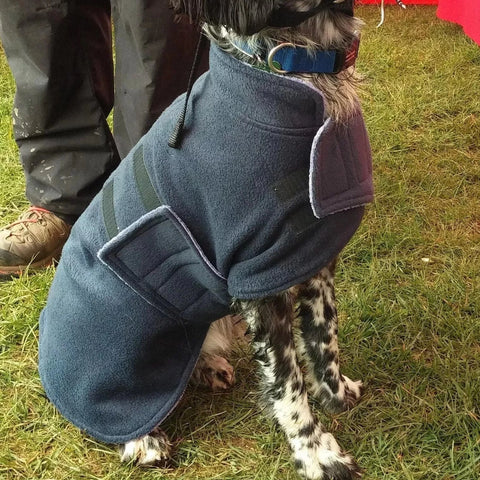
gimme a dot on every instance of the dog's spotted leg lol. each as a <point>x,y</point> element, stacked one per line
<point>318,344</point>
<point>316,453</point>
<point>152,450</point>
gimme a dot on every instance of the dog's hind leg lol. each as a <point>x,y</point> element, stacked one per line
<point>318,345</point>
<point>212,369</point>
<point>213,372</point>
<point>316,452</point>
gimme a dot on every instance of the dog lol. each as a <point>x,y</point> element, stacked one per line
<point>274,142</point>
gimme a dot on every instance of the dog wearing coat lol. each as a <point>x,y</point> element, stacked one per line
<point>246,215</point>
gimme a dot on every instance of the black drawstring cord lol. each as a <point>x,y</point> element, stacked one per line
<point>176,137</point>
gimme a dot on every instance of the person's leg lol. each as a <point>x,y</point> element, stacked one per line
<point>59,53</point>
<point>154,57</point>
<point>56,50</point>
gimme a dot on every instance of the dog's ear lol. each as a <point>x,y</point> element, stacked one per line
<point>244,17</point>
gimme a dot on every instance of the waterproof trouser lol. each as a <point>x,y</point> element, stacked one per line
<point>60,55</point>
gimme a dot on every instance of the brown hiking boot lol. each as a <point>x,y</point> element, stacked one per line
<point>34,241</point>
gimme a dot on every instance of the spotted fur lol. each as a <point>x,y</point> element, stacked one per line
<point>316,453</point>
<point>317,344</point>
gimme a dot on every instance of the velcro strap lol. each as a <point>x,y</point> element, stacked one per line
<point>145,187</point>
<point>108,209</point>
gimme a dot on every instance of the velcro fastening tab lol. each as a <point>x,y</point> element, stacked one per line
<point>340,167</point>
<point>158,257</point>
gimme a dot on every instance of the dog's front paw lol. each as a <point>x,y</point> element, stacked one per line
<point>214,372</point>
<point>322,459</point>
<point>152,450</point>
<point>347,394</point>
<point>353,391</point>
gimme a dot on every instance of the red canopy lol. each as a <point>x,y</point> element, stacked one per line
<point>406,2</point>
<point>464,12</point>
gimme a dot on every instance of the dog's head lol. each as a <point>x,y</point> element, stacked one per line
<point>246,17</point>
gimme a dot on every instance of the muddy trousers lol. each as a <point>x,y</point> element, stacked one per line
<point>60,55</point>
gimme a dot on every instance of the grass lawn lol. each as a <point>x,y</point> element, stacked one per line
<point>408,290</point>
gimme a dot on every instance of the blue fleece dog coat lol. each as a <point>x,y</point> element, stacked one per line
<point>263,193</point>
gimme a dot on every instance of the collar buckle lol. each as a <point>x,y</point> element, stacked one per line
<point>274,65</point>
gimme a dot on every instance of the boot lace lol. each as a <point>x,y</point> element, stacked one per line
<point>33,215</point>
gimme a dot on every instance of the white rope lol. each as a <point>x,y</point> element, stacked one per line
<point>382,14</point>
<point>382,10</point>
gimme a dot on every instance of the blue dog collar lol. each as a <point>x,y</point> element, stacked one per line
<point>288,58</point>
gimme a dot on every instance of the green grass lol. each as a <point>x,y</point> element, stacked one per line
<point>408,289</point>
